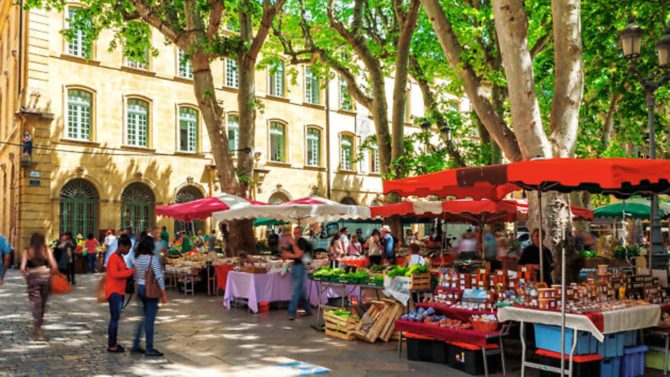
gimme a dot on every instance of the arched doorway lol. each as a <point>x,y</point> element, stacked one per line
<point>348,201</point>
<point>79,208</point>
<point>278,198</point>
<point>137,207</point>
<point>185,195</point>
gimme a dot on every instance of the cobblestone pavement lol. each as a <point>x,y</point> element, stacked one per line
<point>198,336</point>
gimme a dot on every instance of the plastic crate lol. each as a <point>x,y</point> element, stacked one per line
<point>422,348</point>
<point>612,345</point>
<point>549,338</point>
<point>632,363</point>
<point>469,359</point>
<point>583,366</point>
<point>630,338</point>
<point>610,367</point>
<point>655,360</point>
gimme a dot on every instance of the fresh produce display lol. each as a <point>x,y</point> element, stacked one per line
<point>328,274</point>
<point>377,280</point>
<point>407,271</point>
<point>484,322</point>
<point>377,268</point>
<point>343,313</point>
<point>429,317</point>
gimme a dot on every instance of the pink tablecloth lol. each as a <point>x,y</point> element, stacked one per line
<point>312,288</point>
<point>257,288</point>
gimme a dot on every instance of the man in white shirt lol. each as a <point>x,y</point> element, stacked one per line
<point>111,243</point>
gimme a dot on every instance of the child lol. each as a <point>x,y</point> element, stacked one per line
<point>415,258</point>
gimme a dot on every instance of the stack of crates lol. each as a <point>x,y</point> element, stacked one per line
<point>618,354</point>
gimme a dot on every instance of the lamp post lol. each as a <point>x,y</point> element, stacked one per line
<point>631,41</point>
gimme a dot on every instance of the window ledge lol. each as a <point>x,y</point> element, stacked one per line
<point>189,154</point>
<point>89,143</point>
<point>374,174</point>
<point>279,164</point>
<point>314,168</point>
<point>346,112</point>
<point>138,70</point>
<point>183,79</point>
<point>79,59</point>
<point>277,98</point>
<point>232,89</point>
<point>314,105</point>
<point>343,171</point>
<point>138,148</point>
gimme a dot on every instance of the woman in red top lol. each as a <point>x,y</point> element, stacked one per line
<point>115,289</point>
<point>91,245</point>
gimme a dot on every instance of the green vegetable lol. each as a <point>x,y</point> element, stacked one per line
<point>416,269</point>
<point>343,313</point>
<point>397,271</point>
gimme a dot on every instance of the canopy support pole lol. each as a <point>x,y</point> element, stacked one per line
<point>563,304</point>
<point>541,249</point>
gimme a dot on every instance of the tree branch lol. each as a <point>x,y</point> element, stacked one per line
<point>215,14</point>
<point>540,45</point>
<point>269,12</point>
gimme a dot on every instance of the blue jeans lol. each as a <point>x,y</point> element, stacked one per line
<point>92,258</point>
<point>298,297</point>
<point>115,306</point>
<point>149,310</point>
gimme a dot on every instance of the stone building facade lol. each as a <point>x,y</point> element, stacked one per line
<point>114,138</point>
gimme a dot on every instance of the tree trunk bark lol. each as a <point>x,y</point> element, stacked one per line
<point>496,126</point>
<point>379,110</point>
<point>569,76</point>
<point>512,30</point>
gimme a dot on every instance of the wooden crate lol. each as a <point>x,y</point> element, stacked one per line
<point>419,281</point>
<point>379,321</point>
<point>339,327</point>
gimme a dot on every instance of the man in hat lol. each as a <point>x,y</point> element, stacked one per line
<point>389,244</point>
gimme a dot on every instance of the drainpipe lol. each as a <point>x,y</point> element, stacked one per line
<point>328,188</point>
<point>20,66</point>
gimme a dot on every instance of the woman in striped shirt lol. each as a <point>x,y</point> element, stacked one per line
<point>145,259</point>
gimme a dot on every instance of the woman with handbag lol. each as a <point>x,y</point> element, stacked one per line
<point>37,265</point>
<point>115,289</point>
<point>150,288</point>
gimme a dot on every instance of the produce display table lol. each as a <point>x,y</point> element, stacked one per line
<point>319,292</point>
<point>598,324</point>
<point>257,288</point>
<point>477,338</point>
<point>462,315</point>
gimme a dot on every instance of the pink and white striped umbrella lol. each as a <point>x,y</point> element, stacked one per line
<point>203,208</point>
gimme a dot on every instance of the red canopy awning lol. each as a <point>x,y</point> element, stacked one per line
<point>617,176</point>
<point>578,213</point>
<point>203,208</point>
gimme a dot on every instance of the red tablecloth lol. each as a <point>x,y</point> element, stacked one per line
<point>440,333</point>
<point>222,275</point>
<point>358,263</point>
<point>454,313</point>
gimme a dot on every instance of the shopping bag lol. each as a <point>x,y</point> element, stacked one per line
<point>100,290</point>
<point>60,285</point>
<point>152,289</point>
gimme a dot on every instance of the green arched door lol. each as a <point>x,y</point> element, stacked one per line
<point>79,208</point>
<point>137,207</point>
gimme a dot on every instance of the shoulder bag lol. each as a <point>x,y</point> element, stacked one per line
<point>151,288</point>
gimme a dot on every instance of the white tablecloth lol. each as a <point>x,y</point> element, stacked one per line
<point>633,318</point>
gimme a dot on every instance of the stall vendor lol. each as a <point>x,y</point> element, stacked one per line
<point>415,257</point>
<point>531,255</point>
<point>186,243</point>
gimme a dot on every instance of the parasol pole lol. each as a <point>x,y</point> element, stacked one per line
<point>541,250</point>
<point>563,304</point>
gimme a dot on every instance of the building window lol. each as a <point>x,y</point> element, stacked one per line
<point>374,158</point>
<point>137,123</point>
<point>233,132</point>
<point>345,98</point>
<point>185,195</point>
<point>185,70</point>
<point>277,79</point>
<point>232,75</point>
<point>313,147</point>
<point>311,87</point>
<point>347,200</point>
<point>278,198</point>
<point>76,44</point>
<point>346,152</point>
<point>277,142</point>
<point>79,114</point>
<point>137,207</point>
<point>79,207</point>
<point>142,63</point>
<point>188,129</point>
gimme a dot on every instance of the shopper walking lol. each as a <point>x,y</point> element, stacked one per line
<point>5,256</point>
<point>116,279</point>
<point>111,243</point>
<point>301,254</point>
<point>91,247</point>
<point>72,260</point>
<point>145,260</point>
<point>37,265</point>
<point>64,254</point>
<point>389,244</point>
<point>374,248</point>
